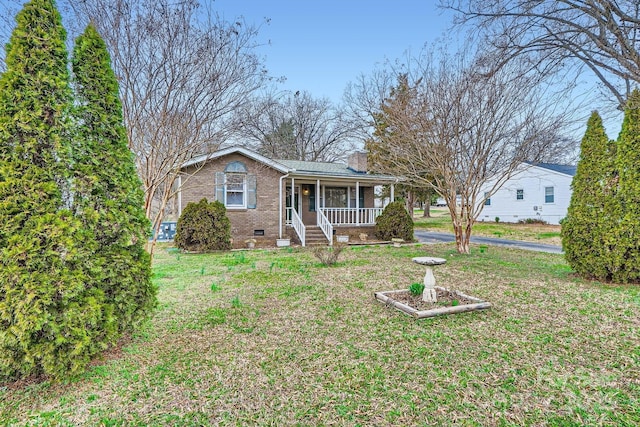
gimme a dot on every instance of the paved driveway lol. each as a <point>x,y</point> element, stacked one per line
<point>437,237</point>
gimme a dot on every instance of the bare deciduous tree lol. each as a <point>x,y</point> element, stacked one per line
<point>183,72</point>
<point>602,35</point>
<point>295,126</point>
<point>362,99</point>
<point>452,127</point>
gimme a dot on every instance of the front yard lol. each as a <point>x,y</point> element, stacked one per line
<point>275,338</point>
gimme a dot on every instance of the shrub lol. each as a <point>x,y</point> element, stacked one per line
<point>394,222</point>
<point>587,230</point>
<point>108,196</point>
<point>532,221</point>
<point>328,255</point>
<point>204,226</point>
<point>52,319</point>
<point>622,241</point>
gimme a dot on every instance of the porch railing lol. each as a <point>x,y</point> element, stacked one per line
<point>297,224</point>
<point>351,216</point>
<point>325,226</point>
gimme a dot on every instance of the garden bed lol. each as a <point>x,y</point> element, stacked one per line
<point>448,302</point>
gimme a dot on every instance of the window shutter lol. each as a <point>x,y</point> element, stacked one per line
<point>219,194</point>
<point>251,191</point>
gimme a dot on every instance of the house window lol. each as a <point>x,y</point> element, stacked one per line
<point>336,197</point>
<point>487,199</point>
<point>235,190</point>
<point>519,194</point>
<point>548,195</point>
<point>235,187</point>
<point>352,197</point>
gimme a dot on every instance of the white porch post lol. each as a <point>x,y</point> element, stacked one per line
<point>317,201</point>
<point>280,207</point>
<point>393,197</point>
<point>293,193</point>
<point>357,203</point>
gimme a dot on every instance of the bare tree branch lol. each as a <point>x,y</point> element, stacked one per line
<point>295,126</point>
<point>602,35</point>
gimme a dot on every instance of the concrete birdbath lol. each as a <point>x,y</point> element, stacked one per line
<point>429,293</point>
<point>435,300</point>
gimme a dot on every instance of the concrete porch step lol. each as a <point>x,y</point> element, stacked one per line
<point>315,236</point>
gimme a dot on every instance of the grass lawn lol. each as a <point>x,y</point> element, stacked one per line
<point>540,233</point>
<point>274,338</point>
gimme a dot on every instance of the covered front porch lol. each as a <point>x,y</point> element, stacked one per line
<point>330,204</point>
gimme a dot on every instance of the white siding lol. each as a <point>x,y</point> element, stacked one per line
<point>533,180</point>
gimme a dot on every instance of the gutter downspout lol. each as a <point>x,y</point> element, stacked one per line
<point>280,205</point>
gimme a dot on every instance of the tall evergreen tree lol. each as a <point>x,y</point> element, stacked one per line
<point>586,231</point>
<point>48,314</point>
<point>627,226</point>
<point>108,195</point>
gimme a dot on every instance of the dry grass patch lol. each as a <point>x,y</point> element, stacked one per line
<point>283,340</point>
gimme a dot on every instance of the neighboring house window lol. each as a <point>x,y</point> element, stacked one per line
<point>336,197</point>
<point>548,195</point>
<point>487,199</point>
<point>519,194</point>
<point>235,187</point>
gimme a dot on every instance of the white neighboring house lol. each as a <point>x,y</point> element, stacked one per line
<point>540,191</point>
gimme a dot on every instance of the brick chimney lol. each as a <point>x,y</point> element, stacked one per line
<point>357,161</point>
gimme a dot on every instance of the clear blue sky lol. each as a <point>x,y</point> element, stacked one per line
<point>322,45</point>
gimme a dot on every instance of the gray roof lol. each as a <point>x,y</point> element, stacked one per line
<point>318,167</point>
<point>332,169</point>
<point>564,169</point>
<point>296,167</point>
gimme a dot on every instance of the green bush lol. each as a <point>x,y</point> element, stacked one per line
<point>624,239</point>
<point>203,227</point>
<point>532,221</point>
<point>394,223</point>
<point>108,196</point>
<point>587,230</point>
<point>51,322</point>
<point>74,275</point>
<point>600,232</point>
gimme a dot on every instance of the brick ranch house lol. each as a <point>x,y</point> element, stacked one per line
<point>267,199</point>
